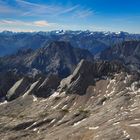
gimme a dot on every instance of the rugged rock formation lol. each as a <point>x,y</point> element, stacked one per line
<point>47,87</point>
<point>108,110</point>
<point>127,52</point>
<point>38,72</point>
<point>99,100</point>
<point>58,58</point>
<point>7,79</point>
<point>39,87</point>
<point>95,42</point>
<point>87,73</point>
<point>18,88</point>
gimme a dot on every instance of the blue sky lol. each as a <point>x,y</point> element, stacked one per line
<point>46,15</point>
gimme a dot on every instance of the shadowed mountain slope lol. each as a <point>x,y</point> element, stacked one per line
<point>127,52</point>
<point>57,58</point>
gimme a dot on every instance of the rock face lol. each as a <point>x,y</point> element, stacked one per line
<point>39,87</point>
<point>108,109</point>
<point>86,74</point>
<point>61,58</point>
<point>99,100</point>
<point>58,58</point>
<point>128,52</point>
<point>7,79</point>
<point>47,87</point>
<point>18,89</point>
<point>38,72</point>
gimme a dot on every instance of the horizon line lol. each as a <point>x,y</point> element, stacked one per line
<point>22,31</point>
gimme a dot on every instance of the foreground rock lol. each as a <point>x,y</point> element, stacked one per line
<point>108,110</point>
<point>87,73</point>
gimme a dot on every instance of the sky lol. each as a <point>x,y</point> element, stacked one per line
<point>47,15</point>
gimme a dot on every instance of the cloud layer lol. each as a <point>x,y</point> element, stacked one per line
<point>25,8</point>
<point>16,14</point>
<point>39,23</point>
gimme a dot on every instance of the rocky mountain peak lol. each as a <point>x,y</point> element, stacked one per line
<point>127,52</point>
<point>58,58</point>
<point>98,100</point>
<point>86,74</point>
<point>60,44</point>
<point>24,51</point>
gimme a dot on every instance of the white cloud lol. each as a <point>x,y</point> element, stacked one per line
<point>58,13</point>
<point>34,9</point>
<point>15,29</point>
<point>67,10</point>
<point>40,23</point>
<point>85,13</point>
<point>50,9</point>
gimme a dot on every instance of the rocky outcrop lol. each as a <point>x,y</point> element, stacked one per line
<point>38,72</point>
<point>127,52</point>
<point>108,110</point>
<point>7,79</point>
<point>47,87</point>
<point>39,87</point>
<point>18,89</point>
<point>58,58</point>
<point>87,73</point>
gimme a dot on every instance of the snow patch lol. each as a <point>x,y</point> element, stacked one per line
<point>77,123</point>
<point>64,106</point>
<point>116,123</point>
<point>136,119</point>
<point>31,125</point>
<point>2,103</point>
<point>126,134</point>
<point>133,109</point>
<point>56,105</point>
<point>52,121</point>
<point>35,129</point>
<point>30,89</point>
<point>135,125</point>
<point>93,128</point>
<point>34,98</point>
<point>55,94</point>
<point>96,136</point>
<point>111,120</point>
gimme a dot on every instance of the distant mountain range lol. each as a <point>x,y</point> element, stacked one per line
<point>95,42</point>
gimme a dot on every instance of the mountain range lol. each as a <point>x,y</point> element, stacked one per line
<point>95,42</point>
<point>127,52</point>
<point>77,86</point>
<point>58,57</point>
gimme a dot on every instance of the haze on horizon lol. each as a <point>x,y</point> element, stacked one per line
<point>46,15</point>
